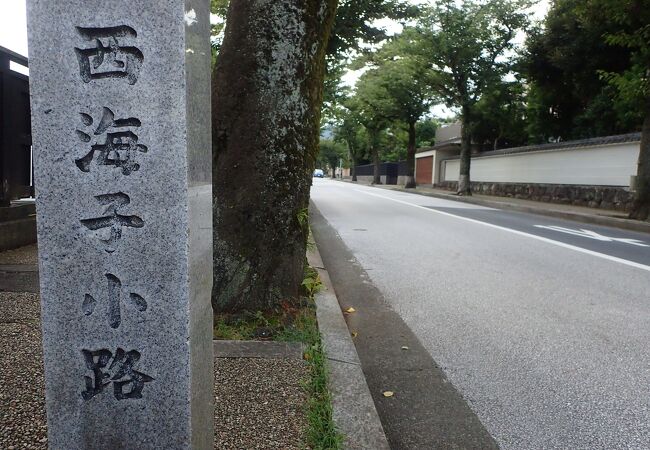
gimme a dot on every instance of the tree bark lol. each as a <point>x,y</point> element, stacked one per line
<point>266,99</point>
<point>410,158</point>
<point>374,151</point>
<point>376,179</point>
<point>464,185</point>
<point>641,206</point>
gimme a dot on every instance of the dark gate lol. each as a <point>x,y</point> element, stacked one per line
<point>15,130</point>
<point>391,170</point>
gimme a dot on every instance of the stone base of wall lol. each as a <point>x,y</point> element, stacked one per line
<point>17,227</point>
<point>368,179</point>
<point>603,197</point>
<point>400,180</point>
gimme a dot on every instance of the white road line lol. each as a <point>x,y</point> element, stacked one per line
<point>520,233</point>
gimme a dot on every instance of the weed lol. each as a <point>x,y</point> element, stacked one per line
<point>303,218</point>
<point>311,282</point>
<point>294,324</point>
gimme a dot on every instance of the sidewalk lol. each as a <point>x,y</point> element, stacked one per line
<point>616,219</point>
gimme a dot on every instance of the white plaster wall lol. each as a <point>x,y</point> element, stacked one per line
<point>610,165</point>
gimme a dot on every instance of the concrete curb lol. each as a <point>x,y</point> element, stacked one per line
<point>595,219</point>
<point>258,349</point>
<point>354,411</point>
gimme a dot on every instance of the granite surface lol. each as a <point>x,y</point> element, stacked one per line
<point>120,108</point>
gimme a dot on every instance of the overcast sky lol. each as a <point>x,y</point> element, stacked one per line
<point>13,34</point>
<point>13,24</point>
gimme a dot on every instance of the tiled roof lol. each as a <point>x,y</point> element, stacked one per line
<point>592,142</point>
<point>455,141</point>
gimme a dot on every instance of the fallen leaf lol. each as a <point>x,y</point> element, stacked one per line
<point>405,348</point>
<point>355,334</point>
<point>388,394</point>
<point>350,310</point>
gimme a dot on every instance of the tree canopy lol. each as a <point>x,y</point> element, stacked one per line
<point>564,64</point>
<point>355,26</point>
<point>467,48</point>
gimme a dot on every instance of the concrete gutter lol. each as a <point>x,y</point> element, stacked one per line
<point>545,210</point>
<point>354,411</point>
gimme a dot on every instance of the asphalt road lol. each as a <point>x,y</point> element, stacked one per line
<point>542,325</point>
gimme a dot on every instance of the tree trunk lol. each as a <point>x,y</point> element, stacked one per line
<point>353,168</point>
<point>410,158</point>
<point>641,206</point>
<point>464,186</point>
<point>376,179</point>
<point>374,151</point>
<point>266,99</point>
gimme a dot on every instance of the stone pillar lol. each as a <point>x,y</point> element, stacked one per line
<point>120,94</point>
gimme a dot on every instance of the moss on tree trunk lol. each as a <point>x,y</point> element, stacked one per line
<point>266,96</point>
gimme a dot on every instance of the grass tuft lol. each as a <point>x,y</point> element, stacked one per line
<point>294,324</point>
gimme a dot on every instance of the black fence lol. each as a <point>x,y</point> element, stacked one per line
<point>15,130</point>
<point>391,170</point>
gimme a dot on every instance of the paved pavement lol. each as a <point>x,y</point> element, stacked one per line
<point>583,214</point>
<point>542,325</point>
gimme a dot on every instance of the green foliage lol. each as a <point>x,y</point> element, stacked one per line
<point>246,326</point>
<point>627,24</point>
<point>426,132</point>
<point>566,64</point>
<point>392,144</point>
<point>290,325</point>
<point>322,433</point>
<point>311,283</point>
<point>404,79</point>
<point>500,117</point>
<point>467,46</point>
<point>373,108</point>
<point>350,131</point>
<point>220,9</point>
<point>303,218</point>
<point>354,24</point>
<point>331,152</point>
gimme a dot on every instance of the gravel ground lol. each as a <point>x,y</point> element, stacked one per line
<point>22,396</point>
<point>22,255</point>
<point>260,403</point>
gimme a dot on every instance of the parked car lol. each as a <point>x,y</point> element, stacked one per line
<point>319,173</point>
